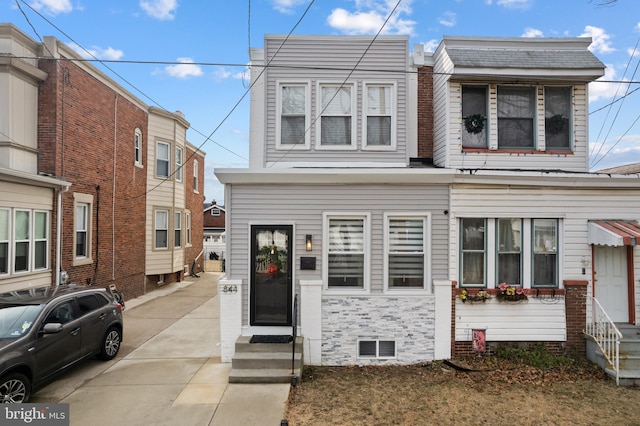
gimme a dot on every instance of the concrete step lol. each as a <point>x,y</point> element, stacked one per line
<point>625,377</point>
<point>263,375</point>
<point>259,360</point>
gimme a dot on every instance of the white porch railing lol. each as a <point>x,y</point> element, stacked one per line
<point>606,335</point>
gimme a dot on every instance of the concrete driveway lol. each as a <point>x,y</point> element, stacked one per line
<point>168,371</point>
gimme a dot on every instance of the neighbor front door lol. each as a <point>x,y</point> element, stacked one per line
<point>271,275</point>
<point>611,281</point>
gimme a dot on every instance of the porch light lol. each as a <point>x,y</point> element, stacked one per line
<point>308,242</point>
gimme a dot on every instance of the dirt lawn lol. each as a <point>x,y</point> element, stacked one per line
<point>496,392</point>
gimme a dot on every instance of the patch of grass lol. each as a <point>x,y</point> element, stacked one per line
<point>535,356</point>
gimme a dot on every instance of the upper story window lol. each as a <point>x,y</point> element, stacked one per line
<point>379,116</point>
<point>336,116</point>
<point>137,147</point>
<point>474,116</point>
<point>292,126</point>
<point>516,117</point>
<point>215,211</point>
<point>557,117</point>
<point>179,164</point>
<point>195,176</point>
<point>162,159</point>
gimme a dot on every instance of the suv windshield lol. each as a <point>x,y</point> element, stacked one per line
<point>16,320</point>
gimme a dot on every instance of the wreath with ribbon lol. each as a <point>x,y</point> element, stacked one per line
<point>474,123</point>
<point>556,124</point>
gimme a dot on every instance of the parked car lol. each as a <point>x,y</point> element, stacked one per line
<point>44,331</point>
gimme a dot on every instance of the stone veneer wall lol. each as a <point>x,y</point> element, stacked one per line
<point>409,320</point>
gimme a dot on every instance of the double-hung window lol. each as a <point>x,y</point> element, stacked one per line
<point>474,116</point>
<point>336,116</point>
<point>473,258</point>
<point>516,117</point>
<point>137,147</point>
<point>162,160</point>
<point>161,229</point>
<point>40,240</point>
<point>294,110</point>
<point>509,251</point>
<point>557,117</point>
<point>347,245</point>
<point>22,239</point>
<point>380,116</point>
<point>195,176</point>
<point>177,229</point>
<point>5,215</point>
<point>407,252</point>
<point>545,252</point>
<point>179,164</point>
<point>187,219</point>
<point>82,226</point>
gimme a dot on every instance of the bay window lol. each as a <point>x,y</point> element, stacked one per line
<point>162,160</point>
<point>179,164</point>
<point>4,240</point>
<point>177,229</point>
<point>161,226</point>
<point>41,240</point>
<point>22,239</point>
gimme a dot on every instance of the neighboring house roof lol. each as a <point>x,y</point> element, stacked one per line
<point>208,207</point>
<point>622,170</point>
<point>516,58</point>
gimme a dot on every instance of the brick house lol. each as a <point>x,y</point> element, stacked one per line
<point>93,136</point>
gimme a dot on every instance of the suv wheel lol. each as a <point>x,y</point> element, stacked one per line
<point>14,388</point>
<point>110,344</point>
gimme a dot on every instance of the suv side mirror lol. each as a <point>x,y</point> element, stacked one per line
<point>52,328</point>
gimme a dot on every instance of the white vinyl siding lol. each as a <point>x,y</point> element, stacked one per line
<point>379,116</point>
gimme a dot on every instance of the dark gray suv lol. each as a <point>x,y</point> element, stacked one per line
<point>46,330</point>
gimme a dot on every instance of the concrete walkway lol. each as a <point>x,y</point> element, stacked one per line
<point>168,371</point>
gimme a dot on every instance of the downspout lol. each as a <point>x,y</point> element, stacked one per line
<point>113,191</point>
<point>58,235</point>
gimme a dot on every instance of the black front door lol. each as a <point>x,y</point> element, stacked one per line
<point>271,275</point>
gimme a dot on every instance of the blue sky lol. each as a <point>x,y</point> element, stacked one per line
<point>191,55</point>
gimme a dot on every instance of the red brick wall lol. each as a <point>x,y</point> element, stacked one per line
<point>576,315</point>
<point>194,203</point>
<point>425,112</point>
<point>84,128</point>
<point>211,221</point>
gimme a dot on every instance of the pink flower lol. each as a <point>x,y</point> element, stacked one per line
<point>503,286</point>
<point>519,290</point>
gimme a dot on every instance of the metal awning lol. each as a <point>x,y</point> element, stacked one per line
<point>614,232</point>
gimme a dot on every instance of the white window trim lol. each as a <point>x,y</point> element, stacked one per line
<point>187,217</point>
<point>29,240</point>
<point>177,244</point>
<point>377,355</point>
<point>158,176</point>
<point>179,163</point>
<point>137,146</point>
<point>155,228</point>
<point>46,239</point>
<point>572,115</point>
<point>307,114</point>
<point>426,288</point>
<point>394,115</point>
<point>83,199</point>
<point>367,252</point>
<point>9,242</point>
<point>318,120</point>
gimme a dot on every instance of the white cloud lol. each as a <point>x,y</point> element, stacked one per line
<point>287,6</point>
<point>431,45</point>
<point>633,52</point>
<point>448,19</point>
<point>601,40</point>
<point>185,69</point>
<point>514,4</point>
<point>369,17</point>
<point>53,6</point>
<point>598,91</point>
<point>97,52</point>
<point>164,10</point>
<point>532,32</point>
<point>222,73</point>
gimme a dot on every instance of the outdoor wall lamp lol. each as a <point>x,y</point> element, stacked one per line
<point>308,242</point>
